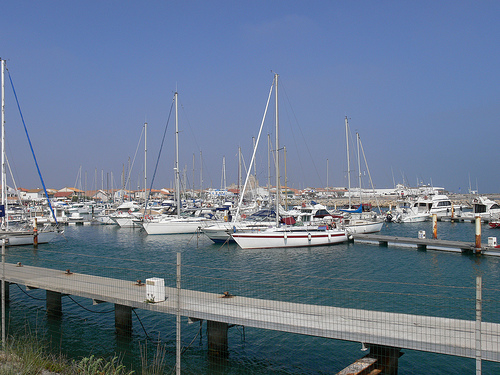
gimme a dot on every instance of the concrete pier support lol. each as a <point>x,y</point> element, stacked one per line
<point>387,358</point>
<point>217,338</point>
<point>54,303</point>
<point>123,320</point>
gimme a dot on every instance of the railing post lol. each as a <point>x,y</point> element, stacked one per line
<point>479,282</point>
<point>178,334</point>
<point>4,295</point>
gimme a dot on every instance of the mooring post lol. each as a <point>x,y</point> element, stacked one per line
<point>35,234</point>
<point>478,234</point>
<point>123,320</point>
<point>54,303</point>
<point>217,338</point>
<point>434,226</point>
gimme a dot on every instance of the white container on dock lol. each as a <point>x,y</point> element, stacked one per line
<point>492,241</point>
<point>155,289</point>
<point>421,234</point>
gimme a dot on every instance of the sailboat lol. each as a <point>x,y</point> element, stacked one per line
<point>354,221</point>
<point>288,236</point>
<point>175,224</point>
<point>22,233</point>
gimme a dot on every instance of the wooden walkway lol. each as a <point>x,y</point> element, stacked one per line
<point>425,243</point>
<point>426,333</point>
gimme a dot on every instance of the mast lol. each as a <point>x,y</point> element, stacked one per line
<point>176,168</point>
<point>145,164</point>
<point>239,170</point>
<point>269,169</point>
<point>4,170</point>
<point>359,169</point>
<point>201,177</point>
<point>327,177</point>
<point>348,161</point>
<point>277,153</point>
<point>286,179</point>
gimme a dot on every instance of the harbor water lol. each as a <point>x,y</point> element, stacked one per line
<point>394,279</point>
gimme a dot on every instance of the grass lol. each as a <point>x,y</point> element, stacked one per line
<point>28,356</point>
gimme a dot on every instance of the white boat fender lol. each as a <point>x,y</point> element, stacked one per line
<point>309,236</point>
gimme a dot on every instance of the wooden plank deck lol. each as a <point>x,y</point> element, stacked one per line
<point>425,333</point>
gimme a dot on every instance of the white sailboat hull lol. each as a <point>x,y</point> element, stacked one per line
<point>221,232</point>
<point>276,238</point>
<point>126,222</point>
<point>174,226</point>
<point>363,226</point>
<point>413,218</point>
<point>19,238</point>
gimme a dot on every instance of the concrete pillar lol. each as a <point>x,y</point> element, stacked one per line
<point>217,338</point>
<point>123,320</point>
<point>54,303</point>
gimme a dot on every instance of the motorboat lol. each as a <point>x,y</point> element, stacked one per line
<point>126,215</point>
<point>409,211</point>
<point>442,206</point>
<point>482,206</point>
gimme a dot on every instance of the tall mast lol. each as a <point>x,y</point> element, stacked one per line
<point>286,179</point>
<point>359,168</point>
<point>327,177</point>
<point>201,177</point>
<point>4,170</point>
<point>277,153</point>
<point>269,168</point>
<point>239,170</point>
<point>348,161</point>
<point>145,164</point>
<point>176,168</point>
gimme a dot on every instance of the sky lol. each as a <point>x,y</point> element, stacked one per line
<point>418,81</point>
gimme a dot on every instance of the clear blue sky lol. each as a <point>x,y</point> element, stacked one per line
<point>419,81</point>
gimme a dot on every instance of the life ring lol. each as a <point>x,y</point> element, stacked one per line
<point>119,212</point>
<point>10,217</point>
<point>243,216</point>
<point>129,211</point>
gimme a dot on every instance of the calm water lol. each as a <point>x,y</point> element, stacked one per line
<point>348,275</point>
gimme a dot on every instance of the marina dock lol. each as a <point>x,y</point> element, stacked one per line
<point>426,244</point>
<point>377,329</point>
